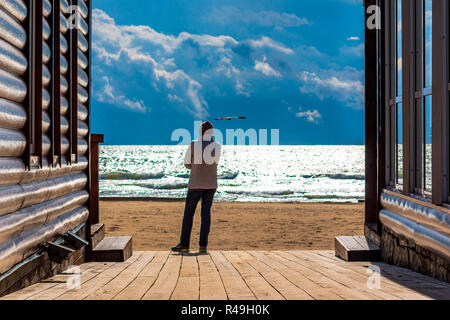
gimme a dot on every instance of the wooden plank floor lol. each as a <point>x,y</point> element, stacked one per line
<point>236,275</point>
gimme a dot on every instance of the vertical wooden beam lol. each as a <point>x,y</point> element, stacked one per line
<point>55,129</point>
<point>440,102</point>
<point>371,116</point>
<point>383,97</point>
<point>73,89</point>
<point>37,37</point>
<point>408,62</point>
<point>29,80</point>
<point>386,120</point>
<point>96,139</point>
<point>88,121</point>
<point>417,104</point>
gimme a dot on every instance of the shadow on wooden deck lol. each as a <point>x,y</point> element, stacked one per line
<point>236,275</point>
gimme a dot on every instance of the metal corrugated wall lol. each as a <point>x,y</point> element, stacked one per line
<point>39,204</point>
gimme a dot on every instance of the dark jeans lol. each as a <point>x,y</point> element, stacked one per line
<point>192,199</point>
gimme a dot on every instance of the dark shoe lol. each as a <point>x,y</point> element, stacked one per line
<point>180,248</point>
<point>203,250</point>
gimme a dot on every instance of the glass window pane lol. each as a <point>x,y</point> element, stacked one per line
<point>399,148</point>
<point>418,145</point>
<point>428,139</point>
<point>392,145</point>
<point>428,47</point>
<point>399,48</point>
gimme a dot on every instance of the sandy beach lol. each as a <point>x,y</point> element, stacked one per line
<point>156,225</point>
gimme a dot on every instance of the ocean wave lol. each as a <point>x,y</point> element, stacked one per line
<point>224,176</point>
<point>332,196</point>
<point>130,176</point>
<point>163,186</point>
<point>261,193</point>
<point>228,176</point>
<point>336,176</point>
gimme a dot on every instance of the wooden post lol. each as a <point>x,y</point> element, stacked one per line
<point>73,90</point>
<point>29,80</point>
<point>440,102</point>
<point>383,97</point>
<point>408,59</point>
<point>55,104</point>
<point>371,127</point>
<point>96,139</point>
<point>35,85</point>
<point>88,121</point>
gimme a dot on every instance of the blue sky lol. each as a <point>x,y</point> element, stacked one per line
<point>295,65</point>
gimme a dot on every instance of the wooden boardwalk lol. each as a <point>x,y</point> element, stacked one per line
<point>246,275</point>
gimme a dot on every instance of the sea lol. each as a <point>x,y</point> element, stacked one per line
<point>246,173</point>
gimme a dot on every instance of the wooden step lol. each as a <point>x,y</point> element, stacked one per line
<point>112,249</point>
<point>357,248</point>
<point>97,233</point>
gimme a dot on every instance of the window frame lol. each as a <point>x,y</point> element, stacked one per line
<point>55,105</point>
<point>447,130</point>
<point>441,100</point>
<point>72,55</point>
<point>414,94</point>
<point>393,98</point>
<point>421,92</point>
<point>33,153</point>
<point>33,157</point>
<point>447,107</point>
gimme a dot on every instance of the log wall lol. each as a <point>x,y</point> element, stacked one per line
<point>404,252</point>
<point>39,203</point>
<point>39,266</point>
<point>415,235</point>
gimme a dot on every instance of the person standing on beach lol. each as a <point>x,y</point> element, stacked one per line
<point>202,158</point>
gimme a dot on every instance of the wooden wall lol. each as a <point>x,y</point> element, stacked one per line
<point>41,200</point>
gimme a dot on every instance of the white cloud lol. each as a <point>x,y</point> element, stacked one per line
<point>114,43</point>
<point>170,62</point>
<point>345,86</point>
<point>241,89</point>
<point>207,40</point>
<point>265,68</point>
<point>183,65</point>
<point>353,38</point>
<point>310,116</point>
<point>357,51</point>
<point>266,42</point>
<point>125,35</point>
<point>108,94</point>
<point>186,68</point>
<point>174,97</point>
<point>230,14</point>
<point>226,67</point>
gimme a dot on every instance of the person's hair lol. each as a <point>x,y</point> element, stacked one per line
<point>206,126</point>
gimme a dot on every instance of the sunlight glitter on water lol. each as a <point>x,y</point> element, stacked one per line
<point>246,173</point>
